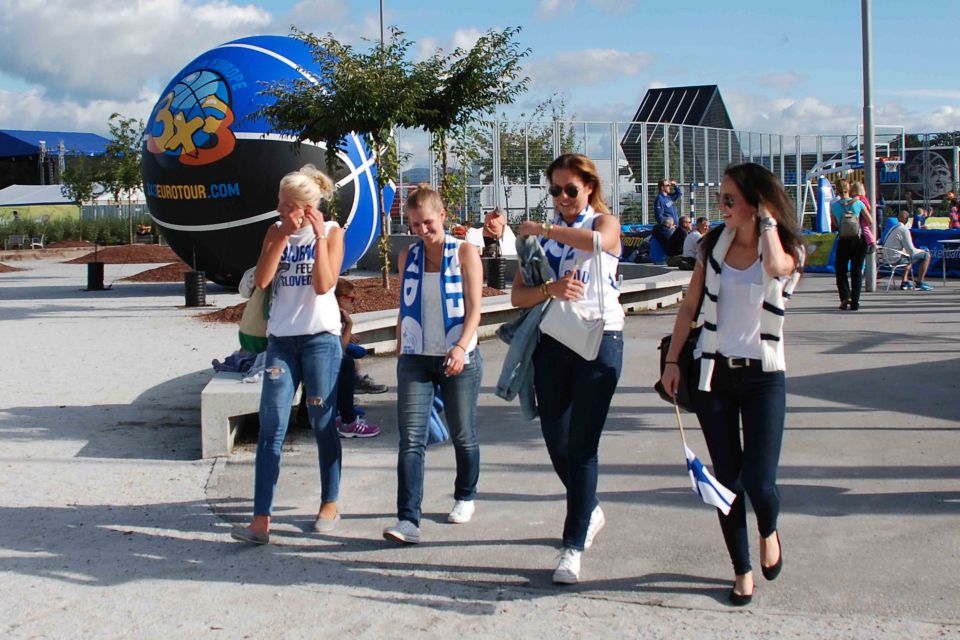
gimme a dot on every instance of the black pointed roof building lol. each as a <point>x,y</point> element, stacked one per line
<point>699,106</point>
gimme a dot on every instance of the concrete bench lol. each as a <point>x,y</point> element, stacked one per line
<point>223,402</point>
<point>225,399</point>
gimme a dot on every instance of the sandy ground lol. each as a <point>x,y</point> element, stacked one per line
<point>111,526</point>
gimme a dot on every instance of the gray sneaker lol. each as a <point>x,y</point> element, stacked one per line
<point>365,384</point>
<point>404,531</point>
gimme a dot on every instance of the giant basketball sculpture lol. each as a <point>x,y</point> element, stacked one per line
<point>210,173</point>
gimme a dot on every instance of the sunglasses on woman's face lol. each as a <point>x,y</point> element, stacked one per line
<point>726,200</point>
<point>571,190</point>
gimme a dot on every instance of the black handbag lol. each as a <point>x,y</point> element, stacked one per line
<point>688,365</point>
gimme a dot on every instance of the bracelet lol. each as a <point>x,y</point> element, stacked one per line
<point>543,289</point>
<point>461,348</point>
<point>547,226</point>
<point>671,362</point>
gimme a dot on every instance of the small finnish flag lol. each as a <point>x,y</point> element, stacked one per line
<point>709,488</point>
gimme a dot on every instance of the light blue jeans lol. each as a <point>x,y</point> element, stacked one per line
<point>314,360</point>
<point>417,377</point>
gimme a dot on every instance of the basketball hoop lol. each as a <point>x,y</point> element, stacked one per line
<point>890,163</point>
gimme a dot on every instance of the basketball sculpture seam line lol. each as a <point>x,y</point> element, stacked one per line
<point>211,170</point>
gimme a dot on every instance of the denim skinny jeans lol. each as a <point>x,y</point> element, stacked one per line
<point>573,396</point>
<point>757,400</point>
<point>417,376</point>
<point>314,360</point>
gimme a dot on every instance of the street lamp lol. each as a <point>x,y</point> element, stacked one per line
<point>870,157</point>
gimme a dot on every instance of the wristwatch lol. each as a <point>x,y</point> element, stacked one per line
<point>546,229</point>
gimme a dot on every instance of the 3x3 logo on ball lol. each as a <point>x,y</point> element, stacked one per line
<point>192,121</point>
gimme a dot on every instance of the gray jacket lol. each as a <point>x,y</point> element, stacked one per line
<point>523,333</point>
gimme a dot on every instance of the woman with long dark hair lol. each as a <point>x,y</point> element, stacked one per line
<point>746,271</point>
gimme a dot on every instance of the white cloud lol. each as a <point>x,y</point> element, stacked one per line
<point>555,8</point>
<point>33,109</point>
<point>111,49</point>
<point>942,94</point>
<point>308,14</point>
<point>461,38</point>
<point>586,67</point>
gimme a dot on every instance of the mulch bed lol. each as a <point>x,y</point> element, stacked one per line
<point>129,254</point>
<point>68,244</point>
<point>369,292</point>
<point>7,269</point>
<point>167,273</point>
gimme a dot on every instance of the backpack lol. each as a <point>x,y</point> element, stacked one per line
<point>849,221</point>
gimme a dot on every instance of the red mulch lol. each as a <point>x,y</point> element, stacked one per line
<point>68,244</point>
<point>369,292</point>
<point>129,254</point>
<point>167,273</point>
<point>8,269</point>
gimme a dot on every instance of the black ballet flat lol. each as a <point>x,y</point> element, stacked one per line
<point>740,599</point>
<point>771,572</point>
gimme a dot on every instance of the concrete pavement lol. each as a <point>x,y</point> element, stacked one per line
<point>112,526</point>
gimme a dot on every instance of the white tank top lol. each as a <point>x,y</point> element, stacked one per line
<point>739,306</point>
<point>570,259</point>
<point>434,336</point>
<point>295,308</point>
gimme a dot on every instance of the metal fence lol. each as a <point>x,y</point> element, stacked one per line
<point>508,169</point>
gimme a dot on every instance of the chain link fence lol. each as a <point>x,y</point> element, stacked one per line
<point>510,158</point>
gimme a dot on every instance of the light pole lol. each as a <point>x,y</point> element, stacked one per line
<point>870,157</point>
<point>381,24</point>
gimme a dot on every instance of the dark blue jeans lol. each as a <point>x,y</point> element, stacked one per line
<point>756,400</point>
<point>314,360</point>
<point>573,397</point>
<point>417,377</point>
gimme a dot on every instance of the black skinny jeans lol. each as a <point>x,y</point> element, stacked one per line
<point>757,400</point>
<point>853,251</point>
<point>346,382</point>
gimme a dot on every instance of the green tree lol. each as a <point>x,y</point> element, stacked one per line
<point>79,181</point>
<point>370,93</point>
<point>462,87</point>
<point>120,173</point>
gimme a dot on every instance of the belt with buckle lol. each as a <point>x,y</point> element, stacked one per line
<point>739,363</point>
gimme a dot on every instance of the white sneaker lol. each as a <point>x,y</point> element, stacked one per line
<point>596,523</point>
<point>568,568</point>
<point>462,512</point>
<point>403,531</point>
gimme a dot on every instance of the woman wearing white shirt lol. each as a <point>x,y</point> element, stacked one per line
<point>574,394</point>
<point>747,268</point>
<point>301,259</point>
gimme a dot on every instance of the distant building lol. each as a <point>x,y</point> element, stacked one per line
<point>40,157</point>
<point>700,106</point>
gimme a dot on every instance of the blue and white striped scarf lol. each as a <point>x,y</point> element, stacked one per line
<point>451,295</point>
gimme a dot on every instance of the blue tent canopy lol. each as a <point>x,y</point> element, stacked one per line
<point>15,142</point>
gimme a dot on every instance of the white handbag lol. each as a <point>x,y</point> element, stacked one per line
<point>573,325</point>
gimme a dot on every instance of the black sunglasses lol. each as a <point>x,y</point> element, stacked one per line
<point>726,200</point>
<point>571,190</point>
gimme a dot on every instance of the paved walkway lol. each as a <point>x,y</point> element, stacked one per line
<point>111,526</point>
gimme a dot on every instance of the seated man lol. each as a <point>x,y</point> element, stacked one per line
<point>674,248</point>
<point>899,239</point>
<point>493,226</point>
<point>691,246</point>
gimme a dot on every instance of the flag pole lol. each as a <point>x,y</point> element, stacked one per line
<point>676,409</point>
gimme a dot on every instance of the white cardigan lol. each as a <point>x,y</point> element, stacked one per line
<point>775,293</point>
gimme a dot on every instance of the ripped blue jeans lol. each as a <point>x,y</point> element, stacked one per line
<point>314,360</point>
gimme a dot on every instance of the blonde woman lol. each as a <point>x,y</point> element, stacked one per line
<point>437,342</point>
<point>300,260</point>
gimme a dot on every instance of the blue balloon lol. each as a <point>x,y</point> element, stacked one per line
<point>211,170</point>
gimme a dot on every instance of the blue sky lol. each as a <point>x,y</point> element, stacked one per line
<point>782,67</point>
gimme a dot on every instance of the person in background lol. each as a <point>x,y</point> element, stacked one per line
<point>691,246</point>
<point>665,208</point>
<point>948,203</point>
<point>746,271</point>
<point>899,239</point>
<point>858,191</point>
<point>920,218</point>
<point>493,225</point>
<point>349,423</point>
<point>675,245</point>
<point>954,216</point>
<point>573,394</point>
<point>442,284</point>
<point>851,251</point>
